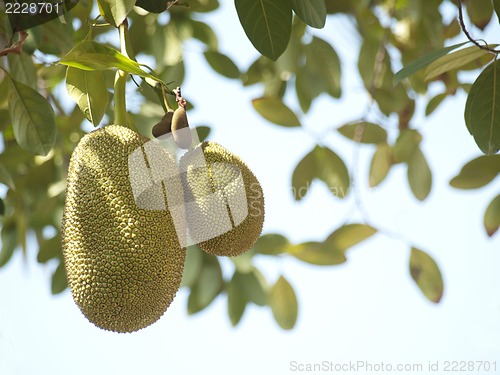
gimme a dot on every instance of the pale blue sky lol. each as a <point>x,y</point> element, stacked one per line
<point>368,309</point>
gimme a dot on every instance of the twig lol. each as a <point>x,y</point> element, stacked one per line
<point>466,32</point>
<point>17,46</point>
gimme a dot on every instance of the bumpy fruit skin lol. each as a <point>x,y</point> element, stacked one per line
<point>124,263</point>
<point>221,178</point>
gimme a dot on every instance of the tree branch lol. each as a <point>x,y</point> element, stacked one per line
<point>17,46</point>
<point>466,32</point>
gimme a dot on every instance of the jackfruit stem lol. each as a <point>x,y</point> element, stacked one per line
<point>121,79</point>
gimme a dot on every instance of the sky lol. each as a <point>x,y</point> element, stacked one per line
<point>367,310</point>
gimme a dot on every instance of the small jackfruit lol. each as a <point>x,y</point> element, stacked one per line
<point>124,263</point>
<point>224,200</point>
<point>164,126</point>
<point>180,129</point>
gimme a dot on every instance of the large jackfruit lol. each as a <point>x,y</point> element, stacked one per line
<point>124,263</point>
<point>223,199</point>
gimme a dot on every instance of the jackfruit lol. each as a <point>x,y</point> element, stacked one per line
<point>223,199</point>
<point>180,129</point>
<point>124,263</point>
<point>164,126</point>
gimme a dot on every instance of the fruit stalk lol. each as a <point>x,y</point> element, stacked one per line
<point>121,80</point>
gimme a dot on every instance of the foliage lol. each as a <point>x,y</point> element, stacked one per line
<point>39,134</point>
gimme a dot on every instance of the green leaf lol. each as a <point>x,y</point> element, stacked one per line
<point>364,132</point>
<point>482,109</point>
<point>492,216</point>
<point>480,12</point>
<point>254,287</point>
<point>236,299</point>
<point>496,6</point>
<point>271,244</point>
<point>10,239</point>
<point>425,272</point>
<point>284,304</point>
<point>208,285</point>
<point>455,60</point>
<point>192,266</point>
<point>303,175</point>
<point>90,55</point>
<point>434,103</point>
<point>204,34</point>
<point>115,11</point>
<point>323,65</point>
<point>317,253</point>
<point>312,12</point>
<point>203,132</point>
<point>331,169</point>
<point>88,90</point>
<point>153,6</point>
<point>275,111</point>
<point>419,175</point>
<point>406,145</point>
<point>477,172</point>
<point>222,64</point>
<point>380,165</point>
<point>22,69</point>
<point>33,119</point>
<point>49,249</point>
<point>267,24</point>
<point>349,235</point>
<point>6,178</point>
<point>423,61</point>
<point>59,279</point>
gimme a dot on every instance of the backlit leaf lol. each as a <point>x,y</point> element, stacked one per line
<point>49,249</point>
<point>6,178</point>
<point>115,11</point>
<point>364,132</point>
<point>492,216</point>
<point>331,169</point>
<point>477,172</point>
<point>275,111</point>
<point>236,299</point>
<point>317,253</point>
<point>423,61</point>
<point>419,175</point>
<point>222,64</point>
<point>312,12</point>
<point>324,65</point>
<point>22,69</point>
<point>59,279</point>
<point>192,266</point>
<point>90,55</point>
<point>255,287</point>
<point>434,103</point>
<point>88,90</point>
<point>406,145</point>
<point>9,236</point>
<point>496,6</point>
<point>455,60</point>
<point>33,119</point>
<point>267,24</point>
<point>284,304</point>
<point>425,272</point>
<point>480,12</point>
<point>349,235</point>
<point>303,175</point>
<point>208,285</point>
<point>380,165</point>
<point>271,244</point>
<point>482,109</point>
